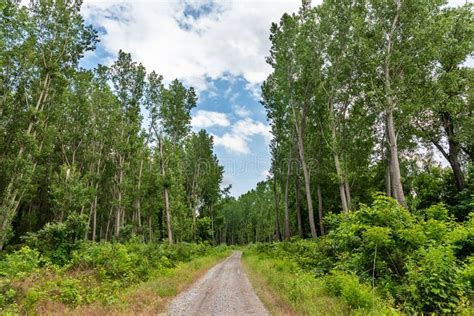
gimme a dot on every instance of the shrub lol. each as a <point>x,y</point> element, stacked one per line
<point>16,266</point>
<point>58,240</point>
<point>348,287</point>
<point>20,263</point>
<point>467,275</point>
<point>433,282</point>
<point>70,292</point>
<point>423,259</point>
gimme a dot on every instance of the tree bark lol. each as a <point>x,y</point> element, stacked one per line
<point>120,211</point>
<point>12,196</point>
<point>395,176</point>
<point>388,181</point>
<point>166,195</point>
<point>306,174</point>
<point>277,217</point>
<point>347,190</point>
<point>94,219</point>
<point>342,191</point>
<point>392,137</point>
<point>138,200</point>
<point>454,149</point>
<point>320,209</point>
<point>337,163</point>
<point>297,207</point>
<point>149,229</point>
<point>287,217</point>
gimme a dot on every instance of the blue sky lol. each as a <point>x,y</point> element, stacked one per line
<point>218,47</point>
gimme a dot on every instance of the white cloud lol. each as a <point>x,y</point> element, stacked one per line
<point>238,138</point>
<point>232,142</point>
<point>241,111</point>
<point>204,119</point>
<point>249,127</point>
<point>227,38</point>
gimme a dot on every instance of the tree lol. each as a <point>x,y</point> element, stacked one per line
<point>55,37</point>
<point>444,110</point>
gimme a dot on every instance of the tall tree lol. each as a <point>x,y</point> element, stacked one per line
<point>55,37</point>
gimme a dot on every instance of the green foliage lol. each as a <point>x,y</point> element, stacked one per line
<point>467,274</point>
<point>20,263</point>
<point>70,292</point>
<point>433,282</point>
<point>349,288</point>
<point>95,272</point>
<point>14,267</point>
<point>422,262</point>
<point>58,240</point>
<point>204,229</point>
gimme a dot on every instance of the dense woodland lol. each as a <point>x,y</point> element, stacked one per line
<point>371,108</point>
<point>364,97</point>
<point>111,145</point>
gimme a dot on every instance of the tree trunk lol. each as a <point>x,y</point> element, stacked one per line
<point>337,163</point>
<point>320,209</point>
<point>94,219</point>
<point>342,190</point>
<point>348,194</point>
<point>277,217</point>
<point>298,208</point>
<point>452,156</point>
<point>119,197</point>
<point>397,188</point>
<point>388,180</point>
<point>138,200</point>
<point>166,196</point>
<point>306,175</point>
<point>287,217</point>
<point>396,180</point>
<point>149,229</point>
<point>108,223</point>
<point>12,195</point>
<point>212,223</point>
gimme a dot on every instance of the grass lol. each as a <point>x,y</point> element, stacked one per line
<point>286,290</point>
<point>152,297</point>
<point>145,298</point>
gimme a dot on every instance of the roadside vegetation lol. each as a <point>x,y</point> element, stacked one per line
<point>380,259</point>
<point>100,277</point>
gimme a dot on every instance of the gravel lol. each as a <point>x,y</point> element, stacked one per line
<point>224,290</point>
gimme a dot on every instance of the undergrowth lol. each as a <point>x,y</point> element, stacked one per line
<point>379,256</point>
<point>93,273</point>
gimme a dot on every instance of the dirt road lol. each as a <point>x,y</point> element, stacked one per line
<point>224,290</point>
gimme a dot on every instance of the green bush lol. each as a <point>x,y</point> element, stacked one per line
<point>16,266</point>
<point>70,292</point>
<point>91,272</point>
<point>20,263</point>
<point>467,275</point>
<point>58,240</point>
<point>433,282</point>
<point>422,260</point>
<point>348,287</point>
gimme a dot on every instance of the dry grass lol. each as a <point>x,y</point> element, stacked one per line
<point>286,293</point>
<point>151,297</point>
<point>272,302</point>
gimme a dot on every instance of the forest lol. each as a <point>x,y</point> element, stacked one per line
<point>369,202</point>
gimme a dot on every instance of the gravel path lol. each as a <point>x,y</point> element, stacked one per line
<point>224,290</point>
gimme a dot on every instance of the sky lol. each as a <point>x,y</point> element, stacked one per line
<point>219,48</point>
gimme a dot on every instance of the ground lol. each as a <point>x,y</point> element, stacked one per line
<point>224,290</point>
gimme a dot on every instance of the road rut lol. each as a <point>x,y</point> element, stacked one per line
<point>223,290</point>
